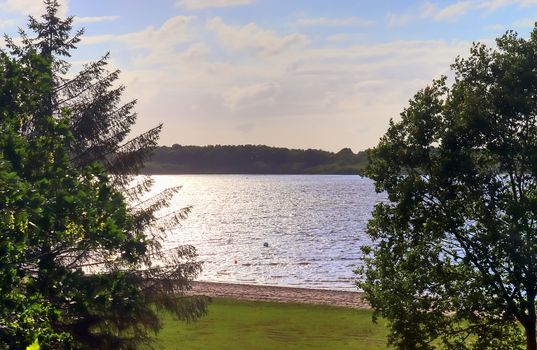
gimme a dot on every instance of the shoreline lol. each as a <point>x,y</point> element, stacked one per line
<point>279,294</point>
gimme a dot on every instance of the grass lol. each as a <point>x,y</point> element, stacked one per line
<point>233,324</point>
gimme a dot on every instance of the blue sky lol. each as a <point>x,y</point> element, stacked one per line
<point>292,73</point>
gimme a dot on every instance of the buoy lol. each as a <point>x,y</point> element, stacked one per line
<point>265,244</point>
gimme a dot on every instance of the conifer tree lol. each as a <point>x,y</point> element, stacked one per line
<point>142,273</point>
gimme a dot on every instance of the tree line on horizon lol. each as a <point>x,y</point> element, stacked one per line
<point>253,159</point>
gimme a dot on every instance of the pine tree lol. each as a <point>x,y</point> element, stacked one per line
<point>100,124</point>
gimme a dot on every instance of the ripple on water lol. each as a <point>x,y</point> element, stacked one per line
<point>314,225</point>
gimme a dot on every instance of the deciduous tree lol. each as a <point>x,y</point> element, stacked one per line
<point>454,259</point>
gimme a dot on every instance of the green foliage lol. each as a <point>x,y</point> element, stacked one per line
<point>33,346</point>
<point>57,220</point>
<point>453,264</point>
<point>81,263</point>
<point>250,159</point>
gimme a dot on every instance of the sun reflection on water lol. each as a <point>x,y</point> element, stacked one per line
<point>288,230</point>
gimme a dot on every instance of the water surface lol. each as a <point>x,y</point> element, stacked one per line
<point>286,230</point>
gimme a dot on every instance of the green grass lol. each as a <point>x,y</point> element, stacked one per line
<point>238,325</point>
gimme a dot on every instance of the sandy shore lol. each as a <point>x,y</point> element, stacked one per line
<point>280,294</point>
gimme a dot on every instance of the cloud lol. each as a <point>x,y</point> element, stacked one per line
<point>497,4</point>
<point>30,7</point>
<point>251,37</point>
<point>323,21</point>
<point>252,95</point>
<point>95,19</point>
<point>460,8</point>
<point>332,90</point>
<point>341,37</point>
<point>163,39</point>
<point>454,11</point>
<point>448,13</point>
<point>202,4</point>
<point>172,32</point>
<point>98,39</point>
<point>274,85</point>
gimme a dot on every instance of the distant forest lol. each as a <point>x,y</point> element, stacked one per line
<point>252,159</point>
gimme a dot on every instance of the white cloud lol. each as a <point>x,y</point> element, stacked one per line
<point>448,13</point>
<point>95,19</point>
<point>196,51</point>
<point>497,4</point>
<point>460,8</point>
<point>202,4</point>
<point>98,39</point>
<point>274,84</point>
<point>251,37</point>
<point>332,90</point>
<point>344,93</point>
<point>31,7</point>
<point>174,31</point>
<point>349,21</point>
<point>452,12</point>
<point>339,37</point>
<point>252,95</point>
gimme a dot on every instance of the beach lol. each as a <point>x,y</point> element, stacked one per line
<point>280,294</point>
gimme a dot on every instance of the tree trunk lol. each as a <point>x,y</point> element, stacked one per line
<point>531,336</point>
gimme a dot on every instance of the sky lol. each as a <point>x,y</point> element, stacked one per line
<point>322,74</point>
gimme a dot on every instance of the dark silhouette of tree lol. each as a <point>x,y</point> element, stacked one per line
<point>453,265</point>
<point>115,307</point>
<point>252,159</point>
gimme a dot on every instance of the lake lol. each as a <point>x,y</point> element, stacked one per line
<point>285,230</point>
